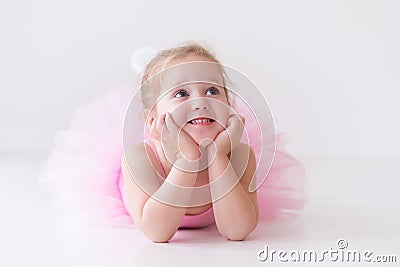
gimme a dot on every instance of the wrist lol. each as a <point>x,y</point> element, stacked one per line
<point>213,154</point>
<point>188,155</point>
<point>218,152</point>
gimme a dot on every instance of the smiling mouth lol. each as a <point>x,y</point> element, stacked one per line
<point>201,121</point>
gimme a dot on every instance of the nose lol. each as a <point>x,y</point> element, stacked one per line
<point>200,104</point>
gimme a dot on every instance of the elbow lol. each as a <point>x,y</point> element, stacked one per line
<point>237,237</point>
<point>154,231</point>
<point>239,234</point>
<point>157,234</point>
<point>157,237</point>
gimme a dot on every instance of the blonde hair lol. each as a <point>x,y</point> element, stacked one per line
<point>162,60</point>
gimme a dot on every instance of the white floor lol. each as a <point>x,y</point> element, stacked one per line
<point>352,199</point>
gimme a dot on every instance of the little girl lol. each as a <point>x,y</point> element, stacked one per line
<point>198,112</point>
<point>191,171</point>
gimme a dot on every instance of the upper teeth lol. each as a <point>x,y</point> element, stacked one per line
<point>198,121</point>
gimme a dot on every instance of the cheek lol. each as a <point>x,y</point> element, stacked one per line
<point>163,108</point>
<point>179,118</point>
<point>222,112</point>
<point>180,113</point>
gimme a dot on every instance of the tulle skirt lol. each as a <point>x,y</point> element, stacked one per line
<point>83,171</point>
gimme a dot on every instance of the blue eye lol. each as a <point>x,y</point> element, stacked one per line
<point>212,91</point>
<point>181,93</point>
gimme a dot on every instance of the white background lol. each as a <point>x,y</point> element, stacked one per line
<point>330,71</point>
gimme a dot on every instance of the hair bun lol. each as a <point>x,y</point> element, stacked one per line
<point>141,57</point>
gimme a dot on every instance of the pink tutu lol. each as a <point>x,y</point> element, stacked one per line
<point>83,171</point>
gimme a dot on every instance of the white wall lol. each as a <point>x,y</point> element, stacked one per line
<point>330,69</point>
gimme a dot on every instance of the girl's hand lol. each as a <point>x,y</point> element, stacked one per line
<point>227,139</point>
<point>176,142</point>
<point>180,140</point>
<point>156,127</point>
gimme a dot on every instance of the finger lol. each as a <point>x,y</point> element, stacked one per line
<point>232,121</point>
<point>237,120</point>
<point>239,124</point>
<point>150,122</point>
<point>232,118</point>
<point>160,123</point>
<point>170,124</point>
<point>243,119</point>
<point>153,125</point>
<point>153,131</point>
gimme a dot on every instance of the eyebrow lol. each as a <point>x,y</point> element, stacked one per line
<point>183,82</point>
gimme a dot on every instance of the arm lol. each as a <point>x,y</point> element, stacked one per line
<point>236,213</point>
<point>158,208</point>
<point>157,220</point>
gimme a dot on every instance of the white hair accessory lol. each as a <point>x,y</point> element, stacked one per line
<point>141,57</point>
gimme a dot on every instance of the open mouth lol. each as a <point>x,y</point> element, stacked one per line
<point>201,121</point>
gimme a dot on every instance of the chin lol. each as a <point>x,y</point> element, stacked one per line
<point>199,136</point>
<point>198,139</point>
<point>203,131</point>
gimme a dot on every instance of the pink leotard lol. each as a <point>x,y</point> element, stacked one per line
<point>203,219</point>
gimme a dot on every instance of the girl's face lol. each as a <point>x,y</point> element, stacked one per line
<point>194,95</point>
